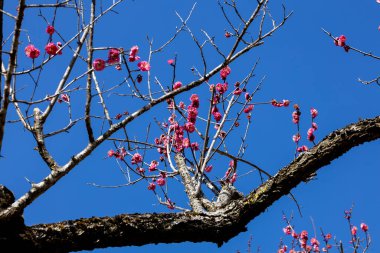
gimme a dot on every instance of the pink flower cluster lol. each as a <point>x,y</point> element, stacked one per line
<point>136,158</point>
<point>313,245</point>
<point>217,115</point>
<point>224,72</point>
<point>284,103</point>
<point>341,42</point>
<point>118,154</point>
<point>51,49</point>
<point>230,176</point>
<point>314,126</point>
<point>153,165</point>
<point>296,114</point>
<point>133,54</point>
<point>177,139</point>
<point>303,238</point>
<point>310,132</point>
<point>221,88</point>
<point>114,58</point>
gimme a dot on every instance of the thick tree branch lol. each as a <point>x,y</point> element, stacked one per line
<point>140,229</point>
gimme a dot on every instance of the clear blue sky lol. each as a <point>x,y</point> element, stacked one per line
<point>300,63</point>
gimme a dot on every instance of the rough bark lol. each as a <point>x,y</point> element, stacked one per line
<point>218,227</point>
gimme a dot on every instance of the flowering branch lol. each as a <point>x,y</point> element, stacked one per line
<point>140,229</point>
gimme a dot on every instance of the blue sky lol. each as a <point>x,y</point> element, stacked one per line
<point>300,63</point>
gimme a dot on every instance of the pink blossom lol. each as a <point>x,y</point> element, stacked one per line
<point>304,235</point>
<point>151,186</point>
<point>296,138</point>
<point>170,204</point>
<point>221,87</point>
<point>296,117</point>
<point>139,78</point>
<point>50,29</point>
<point>186,142</point>
<point>51,48</point>
<point>110,153</point>
<point>247,97</point>
<point>195,146</point>
<point>133,54</point>
<point>340,41</point>
<point>227,34</point>
<point>113,56</point>
<point>161,181</point>
<point>314,241</point>
<point>122,152</point>
<point>310,134</point>
<point>171,62</point>
<point>177,85</point>
<point>287,230</point>
<point>189,127</point>
<point>31,51</point>
<point>99,64</point>
<point>354,229</point>
<point>248,109</point>
<point>136,158</point>
<point>194,100</point>
<point>208,168</point>
<point>237,91</point>
<point>143,66</point>
<point>65,98</point>
<point>314,125</point>
<point>302,148</point>
<point>217,116</point>
<point>224,72</point>
<point>313,112</point>
<point>233,178</point>
<point>364,226</point>
<point>153,165</point>
<point>192,111</point>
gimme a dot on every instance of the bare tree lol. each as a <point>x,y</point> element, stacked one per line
<point>188,142</point>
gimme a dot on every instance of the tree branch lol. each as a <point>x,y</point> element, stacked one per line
<point>218,227</point>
